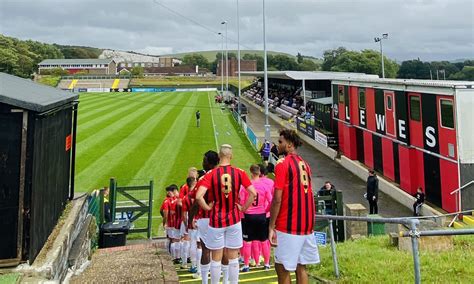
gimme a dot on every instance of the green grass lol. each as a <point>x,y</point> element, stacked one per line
<point>374,260</point>
<point>136,137</point>
<point>186,81</point>
<point>9,278</point>
<point>49,80</point>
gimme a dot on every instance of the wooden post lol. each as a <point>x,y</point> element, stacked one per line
<point>150,209</point>
<point>113,198</point>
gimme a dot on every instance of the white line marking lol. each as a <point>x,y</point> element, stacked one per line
<point>213,124</point>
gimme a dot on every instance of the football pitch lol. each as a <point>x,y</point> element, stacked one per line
<point>136,137</point>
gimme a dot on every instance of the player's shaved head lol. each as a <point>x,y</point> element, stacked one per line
<point>192,172</point>
<point>225,151</point>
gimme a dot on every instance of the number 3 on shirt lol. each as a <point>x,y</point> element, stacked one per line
<point>255,203</point>
<point>304,176</point>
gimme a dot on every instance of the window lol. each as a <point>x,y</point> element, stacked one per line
<point>389,102</point>
<point>341,94</point>
<point>447,115</point>
<point>362,98</point>
<point>415,108</point>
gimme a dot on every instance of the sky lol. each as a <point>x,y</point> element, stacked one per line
<point>425,29</point>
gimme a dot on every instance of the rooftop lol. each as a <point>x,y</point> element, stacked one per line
<point>75,61</point>
<point>26,94</point>
<point>308,75</point>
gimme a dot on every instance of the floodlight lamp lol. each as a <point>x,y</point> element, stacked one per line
<point>224,22</point>
<point>376,39</point>
<point>385,36</point>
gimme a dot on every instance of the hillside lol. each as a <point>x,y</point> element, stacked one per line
<point>210,55</point>
<point>21,57</point>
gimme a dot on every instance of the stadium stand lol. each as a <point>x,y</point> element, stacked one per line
<point>71,84</point>
<point>286,103</point>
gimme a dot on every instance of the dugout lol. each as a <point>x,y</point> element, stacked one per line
<point>37,153</point>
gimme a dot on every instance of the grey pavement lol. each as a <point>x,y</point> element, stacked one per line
<point>324,168</point>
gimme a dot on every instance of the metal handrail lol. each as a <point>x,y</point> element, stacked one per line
<point>458,189</point>
<point>458,199</point>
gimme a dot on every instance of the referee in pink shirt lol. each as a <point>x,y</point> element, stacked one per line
<point>254,224</point>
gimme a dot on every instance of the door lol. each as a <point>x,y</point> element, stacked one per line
<point>390,112</point>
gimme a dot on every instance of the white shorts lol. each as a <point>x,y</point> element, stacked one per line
<point>193,235</point>
<point>169,232</point>
<point>173,233</point>
<point>203,227</point>
<point>182,230</point>
<point>296,249</point>
<point>227,237</point>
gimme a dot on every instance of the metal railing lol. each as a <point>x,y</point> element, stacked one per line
<point>413,233</point>
<point>458,197</point>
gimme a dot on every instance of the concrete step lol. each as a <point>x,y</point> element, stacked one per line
<point>469,220</point>
<point>459,225</point>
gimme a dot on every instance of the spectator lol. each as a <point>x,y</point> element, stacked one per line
<point>265,151</point>
<point>274,150</point>
<point>372,194</point>
<point>419,200</point>
<point>328,189</point>
<point>107,215</point>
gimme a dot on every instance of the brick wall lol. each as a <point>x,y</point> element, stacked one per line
<point>245,65</point>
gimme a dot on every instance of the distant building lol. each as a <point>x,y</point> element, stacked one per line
<point>133,59</point>
<point>72,66</point>
<point>158,62</point>
<point>171,71</point>
<point>245,65</point>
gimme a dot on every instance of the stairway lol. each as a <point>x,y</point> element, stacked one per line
<point>467,222</point>
<point>73,84</point>
<point>116,84</point>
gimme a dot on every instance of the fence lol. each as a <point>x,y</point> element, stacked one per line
<point>249,133</point>
<point>131,203</point>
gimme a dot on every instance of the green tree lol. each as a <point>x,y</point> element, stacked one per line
<point>282,62</point>
<point>330,56</point>
<point>308,65</point>
<point>367,61</point>
<point>414,69</point>
<point>466,74</point>
<point>195,59</point>
<point>137,71</point>
<point>299,58</point>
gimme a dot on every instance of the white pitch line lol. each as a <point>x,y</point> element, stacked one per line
<point>213,124</point>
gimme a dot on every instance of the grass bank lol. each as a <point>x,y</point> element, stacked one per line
<point>188,81</point>
<point>374,260</point>
<point>49,80</point>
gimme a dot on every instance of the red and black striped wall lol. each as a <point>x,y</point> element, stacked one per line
<point>400,137</point>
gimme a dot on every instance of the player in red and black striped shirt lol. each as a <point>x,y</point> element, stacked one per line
<point>209,162</point>
<point>292,212</point>
<point>170,210</point>
<point>225,231</point>
<point>187,228</point>
<point>184,190</point>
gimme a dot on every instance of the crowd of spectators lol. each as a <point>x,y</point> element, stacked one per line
<point>287,102</point>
